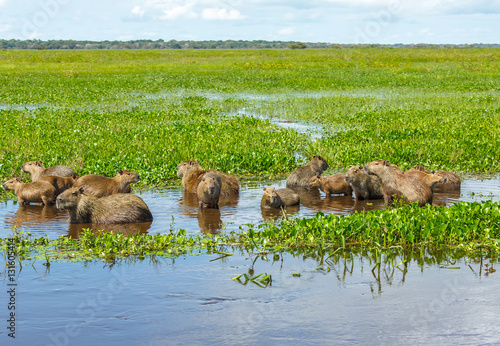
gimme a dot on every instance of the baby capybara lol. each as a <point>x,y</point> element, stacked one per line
<point>394,183</point>
<point>61,184</point>
<point>209,190</point>
<point>332,185</point>
<point>192,173</point>
<point>299,178</point>
<point>37,171</point>
<point>453,181</point>
<point>100,186</point>
<point>35,192</point>
<point>276,198</point>
<point>365,186</point>
<point>116,208</point>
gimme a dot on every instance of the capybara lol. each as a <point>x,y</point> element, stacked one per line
<point>35,192</point>
<point>395,183</point>
<point>430,179</point>
<point>192,173</point>
<point>299,178</point>
<point>61,184</point>
<point>452,183</point>
<point>100,186</point>
<point>332,185</point>
<point>209,190</point>
<point>116,208</point>
<point>37,171</point>
<point>396,168</point>
<point>276,198</point>
<point>365,186</point>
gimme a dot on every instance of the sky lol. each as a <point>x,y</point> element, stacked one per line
<point>333,21</point>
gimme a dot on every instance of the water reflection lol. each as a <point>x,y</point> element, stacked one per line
<point>209,220</point>
<point>76,229</point>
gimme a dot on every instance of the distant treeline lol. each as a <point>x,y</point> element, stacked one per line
<point>228,44</point>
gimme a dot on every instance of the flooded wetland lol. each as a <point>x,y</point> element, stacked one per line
<point>329,270</point>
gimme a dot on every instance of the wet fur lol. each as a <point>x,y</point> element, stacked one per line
<point>192,174</point>
<point>301,176</point>
<point>208,190</point>
<point>116,208</point>
<point>332,185</point>
<point>61,184</point>
<point>276,198</point>
<point>453,181</point>
<point>365,186</point>
<point>35,192</point>
<point>37,171</point>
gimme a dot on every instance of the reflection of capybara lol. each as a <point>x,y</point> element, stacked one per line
<point>394,183</point>
<point>452,183</point>
<point>430,179</point>
<point>332,185</point>
<point>276,198</point>
<point>61,184</point>
<point>37,171</point>
<point>100,186</point>
<point>192,173</point>
<point>299,178</point>
<point>35,192</point>
<point>365,186</point>
<point>116,208</point>
<point>209,190</point>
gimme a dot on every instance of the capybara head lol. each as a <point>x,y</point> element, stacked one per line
<point>314,182</point>
<point>213,184</point>
<point>186,166</point>
<point>129,176</point>
<point>420,168</point>
<point>11,184</point>
<point>29,167</point>
<point>69,198</point>
<point>353,173</point>
<point>376,166</point>
<point>320,162</point>
<point>271,195</point>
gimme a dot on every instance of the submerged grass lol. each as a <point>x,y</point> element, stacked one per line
<point>470,228</point>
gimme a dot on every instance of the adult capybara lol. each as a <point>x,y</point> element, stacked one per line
<point>116,208</point>
<point>395,183</point>
<point>101,186</point>
<point>37,171</point>
<point>453,181</point>
<point>332,185</point>
<point>209,190</point>
<point>299,178</point>
<point>61,184</point>
<point>365,186</point>
<point>35,192</point>
<point>192,173</point>
<point>430,179</point>
<point>276,198</point>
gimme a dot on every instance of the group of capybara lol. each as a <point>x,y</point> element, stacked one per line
<point>97,199</point>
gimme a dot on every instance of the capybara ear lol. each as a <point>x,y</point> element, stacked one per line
<point>264,189</point>
<point>319,177</point>
<point>81,190</point>
<point>18,179</point>
<point>360,167</point>
<point>386,162</point>
<point>39,163</point>
<point>120,171</point>
<point>75,176</point>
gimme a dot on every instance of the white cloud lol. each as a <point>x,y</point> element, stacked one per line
<point>286,31</point>
<point>3,2</point>
<point>182,11</point>
<point>5,27</point>
<point>221,14</point>
<point>137,10</point>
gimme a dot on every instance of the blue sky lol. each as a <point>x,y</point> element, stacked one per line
<point>335,21</point>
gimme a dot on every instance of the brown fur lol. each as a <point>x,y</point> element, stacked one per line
<point>332,185</point>
<point>430,179</point>
<point>209,190</point>
<point>61,184</point>
<point>413,189</point>
<point>300,177</point>
<point>192,174</point>
<point>453,181</point>
<point>101,186</point>
<point>279,198</point>
<point>116,208</point>
<point>35,192</point>
<point>37,171</point>
<point>365,186</point>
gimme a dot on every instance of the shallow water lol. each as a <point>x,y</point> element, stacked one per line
<point>193,300</point>
<point>171,208</point>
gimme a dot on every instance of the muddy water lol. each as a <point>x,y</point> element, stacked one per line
<point>172,208</point>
